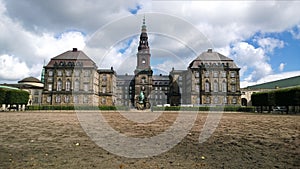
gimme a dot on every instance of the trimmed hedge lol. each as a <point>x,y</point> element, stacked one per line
<point>51,107</point>
<point>8,96</point>
<point>281,97</point>
<point>206,108</point>
<point>172,108</point>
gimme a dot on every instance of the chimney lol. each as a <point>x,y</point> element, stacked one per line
<point>75,50</point>
<point>209,51</point>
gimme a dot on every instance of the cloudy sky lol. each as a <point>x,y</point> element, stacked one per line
<point>263,37</point>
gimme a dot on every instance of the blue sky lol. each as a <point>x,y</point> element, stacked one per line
<point>262,37</point>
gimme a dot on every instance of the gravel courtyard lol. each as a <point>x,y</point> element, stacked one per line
<point>241,140</point>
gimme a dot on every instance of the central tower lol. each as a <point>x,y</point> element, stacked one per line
<point>143,72</point>
<point>143,55</point>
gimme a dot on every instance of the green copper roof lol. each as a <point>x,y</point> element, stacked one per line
<point>283,83</point>
<point>8,87</point>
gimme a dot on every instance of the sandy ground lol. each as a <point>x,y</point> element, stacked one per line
<point>241,140</point>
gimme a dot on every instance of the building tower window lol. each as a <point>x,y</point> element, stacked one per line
<point>207,86</point>
<point>49,87</point>
<point>59,85</point>
<point>233,88</point>
<point>58,99</point>
<point>76,85</point>
<point>67,99</point>
<point>50,73</point>
<point>224,86</point>
<point>216,86</point>
<point>68,85</point>
<point>86,87</point>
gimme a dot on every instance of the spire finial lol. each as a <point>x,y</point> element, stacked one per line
<point>144,28</point>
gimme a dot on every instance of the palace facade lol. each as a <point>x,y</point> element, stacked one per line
<point>73,78</point>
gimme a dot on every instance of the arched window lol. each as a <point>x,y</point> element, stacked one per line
<point>143,80</point>
<point>207,86</point>
<point>68,85</point>
<point>59,85</point>
<point>224,86</point>
<point>76,85</point>
<point>216,87</point>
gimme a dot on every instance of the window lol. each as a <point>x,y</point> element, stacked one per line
<point>225,100</point>
<point>224,86</point>
<point>103,100</point>
<point>36,100</point>
<point>57,99</point>
<point>59,85</point>
<point>68,85</point>
<point>216,87</point>
<point>232,74</point>
<point>216,100</point>
<point>180,78</point>
<point>75,99</point>
<point>197,74</point>
<point>85,99</point>
<point>59,73</point>
<point>104,78</point>
<point>224,74</point>
<point>233,89</point>
<point>207,86</point>
<point>67,99</point>
<point>215,74</point>
<point>86,87</point>
<point>49,87</point>
<point>104,90</point>
<point>50,73</point>
<point>48,99</point>
<point>206,74</point>
<point>207,100</point>
<point>234,100</point>
<point>77,73</point>
<point>76,85</point>
<point>143,80</point>
<point>197,87</point>
<point>86,73</point>
<point>68,73</point>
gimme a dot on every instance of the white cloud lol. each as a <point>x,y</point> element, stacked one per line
<point>270,78</point>
<point>28,49</point>
<point>12,68</point>
<point>269,44</point>
<point>249,57</point>
<point>28,31</point>
<point>281,66</point>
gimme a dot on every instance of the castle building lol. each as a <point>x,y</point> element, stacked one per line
<point>211,78</point>
<point>73,78</point>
